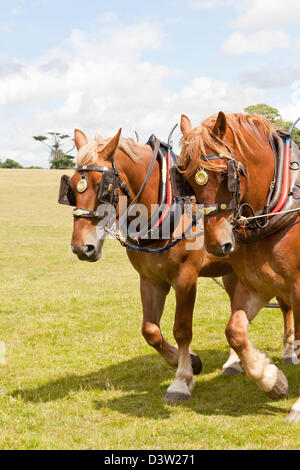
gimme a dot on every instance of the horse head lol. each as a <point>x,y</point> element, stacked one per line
<point>93,160</point>
<point>220,159</point>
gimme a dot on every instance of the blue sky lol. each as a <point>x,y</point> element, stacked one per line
<point>139,65</point>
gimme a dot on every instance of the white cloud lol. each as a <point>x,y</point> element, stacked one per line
<point>267,14</point>
<point>92,81</point>
<point>290,111</point>
<point>260,26</point>
<point>259,42</point>
<point>272,75</point>
<point>108,17</point>
<point>16,11</point>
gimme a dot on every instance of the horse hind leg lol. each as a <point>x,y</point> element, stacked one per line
<point>258,367</point>
<point>288,356</point>
<point>183,385</point>
<point>294,415</point>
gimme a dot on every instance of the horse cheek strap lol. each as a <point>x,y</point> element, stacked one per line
<point>66,195</point>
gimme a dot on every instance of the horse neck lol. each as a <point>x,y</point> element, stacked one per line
<point>134,174</point>
<point>259,163</point>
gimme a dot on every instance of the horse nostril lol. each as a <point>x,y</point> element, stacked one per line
<point>89,250</point>
<point>83,250</point>
<point>227,248</point>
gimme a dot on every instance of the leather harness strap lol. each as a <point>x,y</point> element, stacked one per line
<point>149,172</point>
<point>234,202</point>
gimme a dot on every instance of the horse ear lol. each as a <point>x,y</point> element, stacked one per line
<point>110,148</point>
<point>220,126</point>
<point>79,139</point>
<point>185,125</point>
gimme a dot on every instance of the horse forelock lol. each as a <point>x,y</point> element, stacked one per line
<point>88,154</point>
<point>242,126</point>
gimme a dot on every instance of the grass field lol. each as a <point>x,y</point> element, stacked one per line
<point>79,373</point>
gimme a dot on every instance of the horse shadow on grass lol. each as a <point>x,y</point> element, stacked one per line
<point>143,382</point>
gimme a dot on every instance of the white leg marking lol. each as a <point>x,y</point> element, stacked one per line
<point>185,381</point>
<point>296,406</point>
<point>233,363</point>
<point>294,416</point>
<point>179,386</point>
<point>261,369</point>
<point>267,382</point>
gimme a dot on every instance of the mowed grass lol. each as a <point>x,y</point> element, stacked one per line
<point>79,374</point>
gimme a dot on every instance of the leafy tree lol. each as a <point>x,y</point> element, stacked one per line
<point>59,158</point>
<point>9,163</point>
<point>272,114</point>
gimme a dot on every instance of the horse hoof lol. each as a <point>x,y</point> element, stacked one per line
<point>280,388</point>
<point>196,364</point>
<point>231,371</point>
<point>234,369</point>
<point>173,397</point>
<point>293,417</point>
<point>287,361</point>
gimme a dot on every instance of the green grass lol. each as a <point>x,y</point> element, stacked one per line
<point>79,373</point>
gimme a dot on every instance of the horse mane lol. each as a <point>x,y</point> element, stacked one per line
<point>88,154</point>
<point>195,145</point>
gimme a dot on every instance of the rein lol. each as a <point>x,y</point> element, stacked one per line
<point>117,237</point>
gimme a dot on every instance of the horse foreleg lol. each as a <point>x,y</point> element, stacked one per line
<point>288,336</point>
<point>184,382</point>
<point>233,365</point>
<point>153,301</point>
<point>258,367</point>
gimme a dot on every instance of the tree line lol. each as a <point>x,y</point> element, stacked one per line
<point>60,158</point>
<point>272,114</point>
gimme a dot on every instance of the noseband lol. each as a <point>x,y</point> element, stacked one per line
<point>108,191</point>
<point>234,169</point>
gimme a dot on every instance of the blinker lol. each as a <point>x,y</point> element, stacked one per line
<point>66,195</point>
<point>232,175</point>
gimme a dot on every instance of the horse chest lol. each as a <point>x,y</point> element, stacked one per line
<point>258,272</point>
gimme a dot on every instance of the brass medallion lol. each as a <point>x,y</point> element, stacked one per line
<point>82,185</point>
<point>201,177</point>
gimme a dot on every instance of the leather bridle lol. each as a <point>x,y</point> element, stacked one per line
<point>108,191</point>
<point>234,169</point>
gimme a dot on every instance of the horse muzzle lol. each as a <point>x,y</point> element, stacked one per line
<point>87,252</point>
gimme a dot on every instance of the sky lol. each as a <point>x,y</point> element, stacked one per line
<point>139,65</point>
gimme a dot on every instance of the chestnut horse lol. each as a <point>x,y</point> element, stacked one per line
<point>265,267</point>
<point>177,267</point>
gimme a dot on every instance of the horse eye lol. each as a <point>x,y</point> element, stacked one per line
<point>223,175</point>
